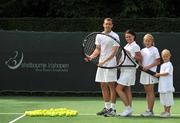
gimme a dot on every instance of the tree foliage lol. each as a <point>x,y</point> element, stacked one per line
<point>90,8</point>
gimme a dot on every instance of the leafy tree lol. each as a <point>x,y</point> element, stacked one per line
<point>90,8</point>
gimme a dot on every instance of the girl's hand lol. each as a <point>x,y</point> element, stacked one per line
<point>146,68</point>
<point>157,75</point>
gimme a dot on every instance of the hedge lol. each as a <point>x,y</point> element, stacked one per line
<point>90,24</point>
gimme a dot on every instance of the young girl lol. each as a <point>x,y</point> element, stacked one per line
<point>128,74</point>
<point>165,87</point>
<point>150,60</point>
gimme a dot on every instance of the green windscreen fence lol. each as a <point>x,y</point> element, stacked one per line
<point>52,61</point>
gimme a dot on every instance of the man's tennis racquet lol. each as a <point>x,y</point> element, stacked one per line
<point>88,47</point>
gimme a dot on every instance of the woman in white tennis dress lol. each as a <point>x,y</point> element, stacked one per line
<point>128,74</point>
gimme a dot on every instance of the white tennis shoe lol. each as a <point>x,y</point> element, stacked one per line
<point>147,114</point>
<point>126,113</point>
<point>165,114</point>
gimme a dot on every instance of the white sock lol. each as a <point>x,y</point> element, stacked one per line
<point>107,105</point>
<point>128,107</point>
<point>149,110</point>
<point>113,106</point>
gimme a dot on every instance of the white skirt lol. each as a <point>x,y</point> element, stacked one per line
<point>106,75</point>
<point>166,99</point>
<point>127,77</point>
<point>146,79</point>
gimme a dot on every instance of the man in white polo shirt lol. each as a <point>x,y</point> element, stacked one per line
<point>107,78</point>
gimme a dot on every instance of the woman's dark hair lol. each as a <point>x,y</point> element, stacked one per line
<point>130,31</point>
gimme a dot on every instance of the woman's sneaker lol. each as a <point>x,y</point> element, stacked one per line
<point>126,113</point>
<point>147,114</point>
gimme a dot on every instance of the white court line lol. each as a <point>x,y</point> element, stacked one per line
<point>11,113</point>
<point>23,115</point>
<point>134,114</point>
<point>17,118</point>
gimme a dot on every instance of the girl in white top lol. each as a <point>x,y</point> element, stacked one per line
<point>165,87</point>
<point>150,60</point>
<point>128,74</point>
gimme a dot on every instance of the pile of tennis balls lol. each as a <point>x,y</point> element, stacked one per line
<point>52,112</point>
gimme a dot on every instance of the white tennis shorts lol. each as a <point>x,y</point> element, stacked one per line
<point>127,77</point>
<point>106,75</point>
<point>146,79</point>
<point>166,99</point>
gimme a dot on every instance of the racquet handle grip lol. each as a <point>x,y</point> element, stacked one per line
<point>147,71</point>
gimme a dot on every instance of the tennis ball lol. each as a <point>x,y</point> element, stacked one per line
<point>67,114</point>
<point>52,112</point>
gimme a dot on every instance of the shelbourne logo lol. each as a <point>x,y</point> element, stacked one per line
<point>15,60</point>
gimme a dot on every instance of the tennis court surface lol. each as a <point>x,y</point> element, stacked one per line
<point>12,109</point>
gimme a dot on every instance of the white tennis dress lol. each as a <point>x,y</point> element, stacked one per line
<point>106,75</point>
<point>128,74</point>
<point>149,55</point>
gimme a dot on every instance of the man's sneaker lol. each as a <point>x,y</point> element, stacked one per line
<point>147,114</point>
<point>110,113</point>
<point>125,113</point>
<point>165,114</point>
<point>102,112</point>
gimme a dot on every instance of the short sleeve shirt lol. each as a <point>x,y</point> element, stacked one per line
<point>106,45</point>
<point>166,82</point>
<point>132,48</point>
<point>149,55</point>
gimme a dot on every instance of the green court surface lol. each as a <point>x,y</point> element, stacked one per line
<point>13,107</point>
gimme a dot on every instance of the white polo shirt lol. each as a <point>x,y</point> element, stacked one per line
<point>166,82</point>
<point>106,45</point>
<point>149,55</point>
<point>132,48</point>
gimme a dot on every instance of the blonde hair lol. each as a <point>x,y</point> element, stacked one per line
<point>166,51</point>
<point>150,37</point>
